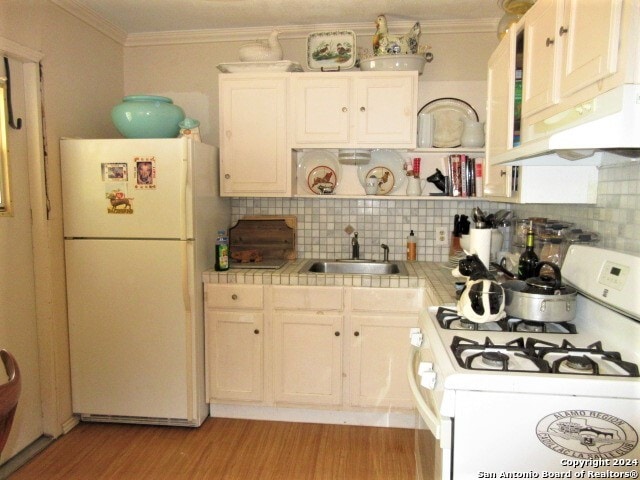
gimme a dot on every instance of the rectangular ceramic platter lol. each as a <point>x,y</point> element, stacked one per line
<point>242,67</point>
<point>331,50</point>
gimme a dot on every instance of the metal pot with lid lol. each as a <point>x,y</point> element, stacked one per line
<point>541,298</point>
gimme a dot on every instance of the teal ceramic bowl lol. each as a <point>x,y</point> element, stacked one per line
<point>147,116</point>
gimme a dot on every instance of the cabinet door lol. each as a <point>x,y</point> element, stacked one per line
<point>385,111</point>
<point>497,180</point>
<point>235,355</point>
<point>254,159</point>
<point>379,356</point>
<point>308,358</point>
<point>591,42</point>
<point>321,109</point>
<point>500,81</point>
<point>541,57</point>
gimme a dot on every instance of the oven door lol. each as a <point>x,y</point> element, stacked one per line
<point>433,432</point>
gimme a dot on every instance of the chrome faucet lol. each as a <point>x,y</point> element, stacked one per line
<point>355,247</point>
<point>385,251</point>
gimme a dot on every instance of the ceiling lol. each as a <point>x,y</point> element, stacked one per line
<point>152,16</point>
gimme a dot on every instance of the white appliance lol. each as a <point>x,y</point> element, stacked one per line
<point>140,221</point>
<point>608,122</point>
<point>523,398</point>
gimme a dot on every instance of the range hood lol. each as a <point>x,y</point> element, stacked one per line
<point>609,122</point>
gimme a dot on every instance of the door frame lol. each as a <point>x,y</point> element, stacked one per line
<point>49,364</point>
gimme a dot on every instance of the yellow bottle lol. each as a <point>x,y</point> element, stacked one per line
<point>411,247</point>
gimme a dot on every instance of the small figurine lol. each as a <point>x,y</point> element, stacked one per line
<point>386,44</point>
<point>190,128</point>
<point>262,50</point>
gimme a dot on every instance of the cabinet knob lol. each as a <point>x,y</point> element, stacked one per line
<point>256,331</point>
<point>362,109</point>
<point>550,41</point>
<point>227,176</point>
<point>562,30</point>
<point>337,334</point>
<point>345,109</point>
<point>356,333</point>
<point>503,173</point>
<point>234,297</point>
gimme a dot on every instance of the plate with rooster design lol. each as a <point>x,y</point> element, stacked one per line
<point>319,172</point>
<point>388,167</point>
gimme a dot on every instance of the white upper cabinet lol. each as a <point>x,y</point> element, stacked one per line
<point>255,159</point>
<point>354,109</point>
<point>569,45</point>
<point>591,34</point>
<point>541,57</point>
<point>500,104</point>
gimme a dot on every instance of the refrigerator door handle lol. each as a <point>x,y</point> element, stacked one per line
<point>184,174</point>
<point>186,291</point>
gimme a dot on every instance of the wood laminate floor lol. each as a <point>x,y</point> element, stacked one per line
<point>227,449</point>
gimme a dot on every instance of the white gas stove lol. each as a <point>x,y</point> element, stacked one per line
<point>517,397</point>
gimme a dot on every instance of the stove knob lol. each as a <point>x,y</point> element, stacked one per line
<point>428,380</point>
<point>416,337</point>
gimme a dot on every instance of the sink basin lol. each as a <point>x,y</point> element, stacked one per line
<point>354,267</point>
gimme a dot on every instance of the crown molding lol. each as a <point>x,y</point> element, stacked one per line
<point>92,19</point>
<point>182,37</point>
<point>299,31</point>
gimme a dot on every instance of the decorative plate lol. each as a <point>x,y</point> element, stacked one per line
<point>321,180</point>
<point>317,170</point>
<point>386,179</point>
<point>448,115</point>
<point>331,50</point>
<point>388,162</point>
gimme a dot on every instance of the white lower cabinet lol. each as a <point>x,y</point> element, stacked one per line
<point>307,345</point>
<point>380,321</point>
<point>235,342</point>
<point>339,348</point>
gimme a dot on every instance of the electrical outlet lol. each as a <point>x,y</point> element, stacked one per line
<point>441,237</point>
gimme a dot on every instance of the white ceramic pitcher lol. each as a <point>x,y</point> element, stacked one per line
<point>415,186</point>
<point>472,133</point>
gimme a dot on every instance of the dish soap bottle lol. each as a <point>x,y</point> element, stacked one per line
<point>411,247</point>
<point>222,252</point>
<point>528,258</point>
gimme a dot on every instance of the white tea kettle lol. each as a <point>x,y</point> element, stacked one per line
<point>482,301</point>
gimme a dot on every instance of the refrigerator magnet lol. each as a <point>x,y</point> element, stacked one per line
<point>118,201</point>
<point>145,172</point>
<point>115,172</point>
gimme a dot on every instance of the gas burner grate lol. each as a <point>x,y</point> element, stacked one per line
<point>470,354</point>
<point>581,360</point>
<point>450,319</point>
<point>529,326</point>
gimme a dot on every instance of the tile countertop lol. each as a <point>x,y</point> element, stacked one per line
<point>435,277</point>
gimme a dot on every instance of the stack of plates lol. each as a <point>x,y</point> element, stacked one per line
<point>354,156</point>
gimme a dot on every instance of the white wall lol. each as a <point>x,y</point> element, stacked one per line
<point>83,78</point>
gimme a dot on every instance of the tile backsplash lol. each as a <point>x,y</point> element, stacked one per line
<point>322,223</point>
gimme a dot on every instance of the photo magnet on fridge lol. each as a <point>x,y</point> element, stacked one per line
<point>145,172</point>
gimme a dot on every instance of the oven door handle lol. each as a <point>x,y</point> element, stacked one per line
<point>430,417</point>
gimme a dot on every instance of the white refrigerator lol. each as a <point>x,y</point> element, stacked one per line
<point>140,222</point>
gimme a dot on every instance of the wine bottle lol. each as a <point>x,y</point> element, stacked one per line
<point>528,258</point>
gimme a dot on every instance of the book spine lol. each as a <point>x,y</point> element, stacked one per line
<point>479,167</point>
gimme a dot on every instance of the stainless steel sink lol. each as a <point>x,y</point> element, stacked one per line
<point>354,267</point>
